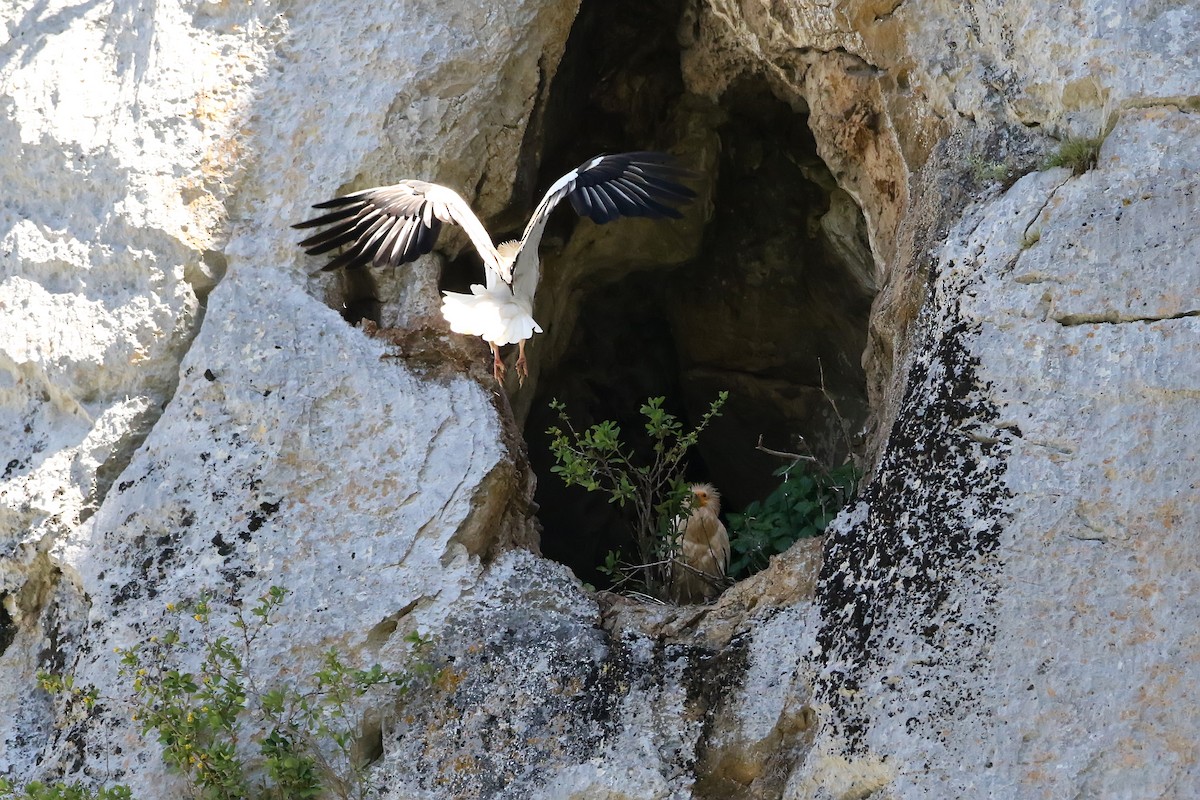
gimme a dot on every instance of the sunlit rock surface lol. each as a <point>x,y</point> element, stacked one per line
<point>1006,612</point>
<point>1002,615</point>
<point>146,151</point>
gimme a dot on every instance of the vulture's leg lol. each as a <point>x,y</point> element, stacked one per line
<point>497,364</point>
<point>522,367</point>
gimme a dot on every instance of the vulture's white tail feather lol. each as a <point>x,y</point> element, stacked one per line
<point>494,314</point>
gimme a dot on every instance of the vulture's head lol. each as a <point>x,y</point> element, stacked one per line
<point>705,496</point>
<point>508,252</point>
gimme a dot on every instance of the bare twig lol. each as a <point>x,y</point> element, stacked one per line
<point>646,598</point>
<point>715,580</point>
<point>843,425</point>
<point>781,453</point>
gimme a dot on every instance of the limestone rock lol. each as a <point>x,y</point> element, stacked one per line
<point>1001,617</point>
<point>1006,611</point>
<point>292,449</point>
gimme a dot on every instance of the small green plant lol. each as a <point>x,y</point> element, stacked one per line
<point>653,492</point>
<point>992,171</point>
<point>1077,154</point>
<point>305,736</point>
<point>799,508</point>
<point>230,737</point>
<point>79,703</point>
<point>35,790</point>
<point>1032,237</point>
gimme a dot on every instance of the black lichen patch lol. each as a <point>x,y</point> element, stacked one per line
<point>130,590</point>
<point>497,722</point>
<point>166,549</point>
<point>8,629</point>
<point>936,510</point>
<point>59,638</point>
<point>600,694</point>
<point>710,677</point>
<point>234,575</point>
<point>154,561</point>
<point>224,548</point>
<point>261,514</point>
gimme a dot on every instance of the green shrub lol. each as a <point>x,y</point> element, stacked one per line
<point>35,790</point>
<point>1079,155</point>
<point>985,171</point>
<point>799,508</point>
<point>654,492</point>
<point>305,735</point>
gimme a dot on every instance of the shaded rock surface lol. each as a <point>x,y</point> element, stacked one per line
<point>1004,612</point>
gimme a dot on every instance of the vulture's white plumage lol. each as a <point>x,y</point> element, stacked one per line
<point>702,543</point>
<point>393,225</point>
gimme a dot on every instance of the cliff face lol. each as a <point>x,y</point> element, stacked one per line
<point>1006,611</point>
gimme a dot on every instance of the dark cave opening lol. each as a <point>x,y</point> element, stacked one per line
<point>771,302</point>
<point>616,87</point>
<point>619,356</point>
<point>615,90</point>
<point>763,290</point>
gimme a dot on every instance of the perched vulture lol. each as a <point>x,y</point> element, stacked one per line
<point>703,544</point>
<point>393,225</point>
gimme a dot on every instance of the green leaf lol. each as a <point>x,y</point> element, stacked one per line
<point>804,507</point>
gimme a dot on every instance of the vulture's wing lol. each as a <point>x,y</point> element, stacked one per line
<point>393,225</point>
<point>604,188</point>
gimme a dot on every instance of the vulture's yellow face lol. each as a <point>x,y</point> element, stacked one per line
<point>705,496</point>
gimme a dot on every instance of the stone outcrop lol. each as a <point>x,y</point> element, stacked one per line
<point>283,447</point>
<point>1005,611</point>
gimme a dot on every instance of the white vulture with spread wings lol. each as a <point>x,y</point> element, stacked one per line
<point>393,225</point>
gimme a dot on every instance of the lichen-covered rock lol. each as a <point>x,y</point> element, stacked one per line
<point>1001,616</point>
<point>370,479</point>
<point>111,230</point>
<point>119,150</point>
<point>541,695</point>
<point>1005,612</point>
<point>533,685</point>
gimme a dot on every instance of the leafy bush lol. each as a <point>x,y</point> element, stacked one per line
<point>305,735</point>
<point>35,790</point>
<point>655,493</point>
<point>799,508</point>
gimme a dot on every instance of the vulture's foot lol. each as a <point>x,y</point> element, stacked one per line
<point>497,365</point>
<point>522,366</point>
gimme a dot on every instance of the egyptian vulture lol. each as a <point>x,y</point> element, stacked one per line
<point>698,573</point>
<point>393,225</point>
